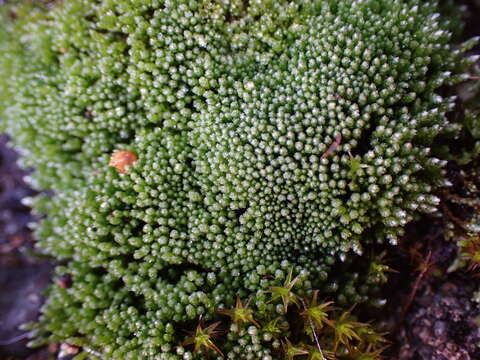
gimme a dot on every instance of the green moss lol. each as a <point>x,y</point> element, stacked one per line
<point>270,135</point>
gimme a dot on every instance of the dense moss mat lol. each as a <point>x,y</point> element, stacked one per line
<point>269,136</point>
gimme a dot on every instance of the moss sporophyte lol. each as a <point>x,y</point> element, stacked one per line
<point>201,152</point>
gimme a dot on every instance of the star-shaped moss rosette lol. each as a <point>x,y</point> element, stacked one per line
<point>202,339</point>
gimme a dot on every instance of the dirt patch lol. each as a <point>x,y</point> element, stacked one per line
<point>23,277</point>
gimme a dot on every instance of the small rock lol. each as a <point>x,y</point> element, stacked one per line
<point>440,328</point>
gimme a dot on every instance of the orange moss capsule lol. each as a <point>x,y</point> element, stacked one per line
<point>65,281</point>
<point>121,159</point>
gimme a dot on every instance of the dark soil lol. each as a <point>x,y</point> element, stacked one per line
<point>23,277</point>
<point>431,312</point>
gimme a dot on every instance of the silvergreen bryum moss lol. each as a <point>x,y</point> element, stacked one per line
<point>270,136</point>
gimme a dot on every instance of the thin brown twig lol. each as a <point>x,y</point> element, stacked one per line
<point>312,327</point>
<point>465,201</point>
<point>426,265</point>
<point>333,147</point>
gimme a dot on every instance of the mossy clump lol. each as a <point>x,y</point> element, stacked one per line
<point>262,137</point>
